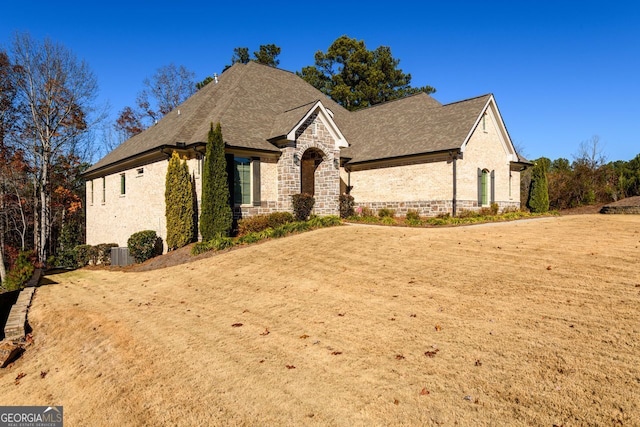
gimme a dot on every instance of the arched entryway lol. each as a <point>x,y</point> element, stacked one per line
<point>309,165</point>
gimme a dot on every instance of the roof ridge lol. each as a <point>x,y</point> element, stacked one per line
<point>395,100</point>
<point>468,99</point>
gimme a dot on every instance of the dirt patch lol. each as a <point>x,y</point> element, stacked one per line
<point>519,323</point>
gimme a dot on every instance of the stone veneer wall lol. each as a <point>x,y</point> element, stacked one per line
<point>432,207</point>
<point>327,175</point>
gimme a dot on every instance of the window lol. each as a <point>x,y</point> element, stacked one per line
<point>485,187</point>
<point>91,191</point>
<point>104,189</point>
<point>123,184</point>
<point>242,180</point>
<point>484,122</point>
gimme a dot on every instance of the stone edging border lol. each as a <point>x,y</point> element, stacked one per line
<point>14,330</point>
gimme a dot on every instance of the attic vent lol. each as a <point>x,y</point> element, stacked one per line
<point>181,144</point>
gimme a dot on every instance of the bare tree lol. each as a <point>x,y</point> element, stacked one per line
<point>591,153</point>
<point>58,93</point>
<point>169,87</point>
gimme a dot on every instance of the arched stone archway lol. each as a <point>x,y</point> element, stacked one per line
<point>309,165</point>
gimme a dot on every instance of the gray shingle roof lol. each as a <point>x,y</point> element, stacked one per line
<point>255,103</point>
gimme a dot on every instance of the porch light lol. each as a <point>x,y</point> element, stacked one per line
<point>296,159</point>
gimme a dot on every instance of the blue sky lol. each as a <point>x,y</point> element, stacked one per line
<point>561,71</point>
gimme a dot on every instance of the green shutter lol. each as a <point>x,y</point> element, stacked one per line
<point>479,187</point>
<point>230,177</point>
<point>256,181</point>
<point>493,186</point>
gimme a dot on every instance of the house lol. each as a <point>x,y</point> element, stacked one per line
<point>283,137</point>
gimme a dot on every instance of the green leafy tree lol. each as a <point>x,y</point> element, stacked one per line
<point>356,77</point>
<point>216,218</point>
<point>179,203</point>
<point>539,192</point>
<point>267,54</point>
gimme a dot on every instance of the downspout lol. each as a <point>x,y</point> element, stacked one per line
<point>454,156</point>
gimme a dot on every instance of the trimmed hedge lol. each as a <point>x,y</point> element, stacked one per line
<point>143,245</point>
<point>258,223</point>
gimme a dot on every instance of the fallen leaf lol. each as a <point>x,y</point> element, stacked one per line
<point>236,325</point>
<point>396,402</point>
<point>478,362</point>
<point>412,315</point>
<point>438,328</point>
<point>335,353</point>
<point>399,357</point>
<point>432,353</point>
<point>43,374</point>
<point>548,267</point>
<point>304,336</point>
<point>424,392</point>
<point>290,367</point>
<point>341,314</point>
<point>266,332</point>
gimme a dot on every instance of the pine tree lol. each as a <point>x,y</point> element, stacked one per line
<point>216,218</point>
<point>179,203</point>
<point>539,190</point>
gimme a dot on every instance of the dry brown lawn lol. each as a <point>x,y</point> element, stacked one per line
<point>524,323</point>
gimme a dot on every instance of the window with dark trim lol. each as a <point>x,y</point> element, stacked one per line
<point>123,184</point>
<point>104,189</point>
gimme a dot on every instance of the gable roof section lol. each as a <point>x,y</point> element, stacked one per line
<point>413,125</point>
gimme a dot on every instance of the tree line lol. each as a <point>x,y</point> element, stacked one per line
<point>587,180</point>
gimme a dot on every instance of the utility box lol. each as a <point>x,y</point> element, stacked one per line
<point>120,257</point>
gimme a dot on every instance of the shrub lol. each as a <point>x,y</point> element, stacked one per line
<point>494,208</point>
<point>21,272</point>
<point>143,245</point>
<point>216,244</point>
<point>93,255</point>
<point>386,212</point>
<point>388,220</point>
<point>277,219</point>
<point>252,224</point>
<point>104,252</point>
<point>346,205</point>
<point>367,212</point>
<point>412,216</point>
<point>66,259</point>
<point>82,255</point>
<point>258,223</point>
<point>302,205</point>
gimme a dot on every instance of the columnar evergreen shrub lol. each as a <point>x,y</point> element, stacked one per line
<point>539,191</point>
<point>143,245</point>
<point>178,203</point>
<point>216,218</point>
<point>346,205</point>
<point>302,205</point>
